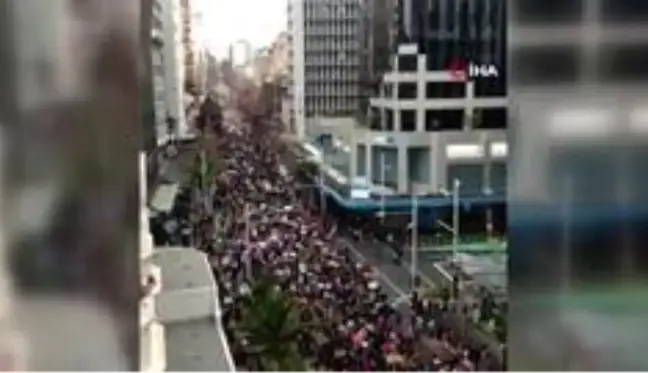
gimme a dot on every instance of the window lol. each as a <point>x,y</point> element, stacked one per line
<point>623,64</point>
<point>388,88</point>
<point>490,118</point>
<point>361,160</point>
<point>540,66</point>
<point>407,63</point>
<point>407,91</point>
<point>547,11</point>
<point>444,120</point>
<point>491,87</point>
<point>408,120</point>
<point>624,11</point>
<point>445,90</point>
<point>389,119</point>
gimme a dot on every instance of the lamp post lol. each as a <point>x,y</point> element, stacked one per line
<point>454,229</point>
<point>322,193</point>
<point>383,176</point>
<point>455,218</point>
<point>414,244</point>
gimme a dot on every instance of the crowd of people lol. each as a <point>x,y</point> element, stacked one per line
<point>261,229</point>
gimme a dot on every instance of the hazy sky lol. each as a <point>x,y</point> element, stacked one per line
<point>226,21</point>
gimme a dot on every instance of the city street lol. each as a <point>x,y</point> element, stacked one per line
<point>395,278</point>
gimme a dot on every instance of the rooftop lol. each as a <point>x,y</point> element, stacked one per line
<point>197,345</point>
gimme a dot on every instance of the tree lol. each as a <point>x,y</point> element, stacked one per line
<point>271,323</point>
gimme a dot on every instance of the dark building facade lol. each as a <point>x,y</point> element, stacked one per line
<point>452,30</point>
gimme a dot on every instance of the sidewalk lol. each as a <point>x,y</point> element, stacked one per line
<point>469,244</point>
<point>485,247</point>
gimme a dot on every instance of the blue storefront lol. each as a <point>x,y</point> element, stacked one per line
<point>358,199</point>
<point>358,195</point>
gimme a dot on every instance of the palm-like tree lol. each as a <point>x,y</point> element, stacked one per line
<point>271,324</point>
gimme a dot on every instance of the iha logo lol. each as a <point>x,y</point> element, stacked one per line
<point>461,70</point>
<point>457,70</point>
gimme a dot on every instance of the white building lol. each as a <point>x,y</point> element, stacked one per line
<point>417,144</point>
<point>326,46</point>
<point>409,153</point>
<point>168,70</point>
<point>174,64</point>
<point>180,314</point>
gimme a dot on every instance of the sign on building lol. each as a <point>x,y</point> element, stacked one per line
<point>461,70</point>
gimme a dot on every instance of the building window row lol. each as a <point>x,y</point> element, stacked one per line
<point>322,20</point>
<point>332,38</point>
<point>551,12</point>
<point>483,88</point>
<point>331,105</point>
<point>333,77</point>
<point>333,59</point>
<point>331,10</point>
<point>342,49</point>
<point>441,119</point>
<point>332,89</point>
<point>332,30</point>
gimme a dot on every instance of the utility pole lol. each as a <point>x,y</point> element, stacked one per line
<point>455,218</point>
<point>414,243</point>
<point>321,185</point>
<point>383,176</point>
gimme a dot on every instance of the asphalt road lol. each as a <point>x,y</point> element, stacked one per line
<point>395,278</point>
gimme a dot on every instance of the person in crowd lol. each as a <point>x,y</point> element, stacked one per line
<point>268,232</point>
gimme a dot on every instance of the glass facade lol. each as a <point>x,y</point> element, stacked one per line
<point>447,30</point>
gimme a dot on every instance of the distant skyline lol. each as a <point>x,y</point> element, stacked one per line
<point>226,21</point>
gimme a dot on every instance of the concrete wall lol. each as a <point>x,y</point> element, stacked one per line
<point>442,149</point>
<point>189,304</point>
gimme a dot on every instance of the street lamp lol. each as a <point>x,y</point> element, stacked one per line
<point>322,193</point>
<point>455,217</point>
<point>414,244</point>
<point>383,177</point>
<point>454,229</point>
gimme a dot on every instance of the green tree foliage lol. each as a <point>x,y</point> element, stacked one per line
<point>272,325</point>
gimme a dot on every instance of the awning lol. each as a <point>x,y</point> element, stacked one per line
<point>164,196</point>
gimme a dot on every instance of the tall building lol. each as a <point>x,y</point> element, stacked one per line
<point>167,71</point>
<point>279,57</point>
<point>189,43</point>
<point>380,41</point>
<point>212,71</point>
<point>449,30</point>
<point>158,59</point>
<point>174,67</point>
<point>200,54</point>
<point>326,39</point>
<point>427,127</point>
<point>557,40</point>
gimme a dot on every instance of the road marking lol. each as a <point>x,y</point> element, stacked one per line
<point>398,301</point>
<point>382,275</point>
